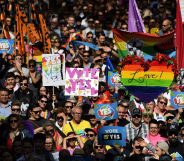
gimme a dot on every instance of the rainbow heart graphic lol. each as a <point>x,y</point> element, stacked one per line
<point>146,85</point>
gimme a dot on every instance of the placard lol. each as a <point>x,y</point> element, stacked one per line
<point>113,78</point>
<point>52,70</point>
<point>6,45</point>
<point>106,111</point>
<point>177,99</point>
<point>82,81</point>
<point>112,135</point>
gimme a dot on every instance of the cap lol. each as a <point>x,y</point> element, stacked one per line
<point>173,127</point>
<point>164,146</point>
<point>136,111</point>
<point>89,129</point>
<point>91,112</point>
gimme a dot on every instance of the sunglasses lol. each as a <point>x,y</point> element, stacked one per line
<point>90,135</point>
<point>138,147</point>
<point>68,106</point>
<point>37,112</point>
<point>42,101</point>
<point>90,37</point>
<point>13,121</point>
<point>163,103</point>
<point>98,146</point>
<point>24,84</point>
<point>31,65</point>
<point>124,28</point>
<point>81,48</point>
<point>85,55</point>
<point>59,118</point>
<point>72,139</point>
<point>18,110</point>
<point>54,41</point>
<point>50,131</point>
<point>136,116</point>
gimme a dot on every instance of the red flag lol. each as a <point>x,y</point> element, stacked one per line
<point>179,37</point>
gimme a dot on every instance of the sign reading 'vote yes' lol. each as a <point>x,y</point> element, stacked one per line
<point>82,81</point>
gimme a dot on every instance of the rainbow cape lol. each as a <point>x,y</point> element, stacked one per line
<point>142,43</point>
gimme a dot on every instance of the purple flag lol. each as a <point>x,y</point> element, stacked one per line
<point>135,22</point>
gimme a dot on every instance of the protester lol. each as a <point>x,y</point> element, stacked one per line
<point>40,122</point>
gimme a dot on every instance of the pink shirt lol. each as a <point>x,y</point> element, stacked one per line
<point>155,139</point>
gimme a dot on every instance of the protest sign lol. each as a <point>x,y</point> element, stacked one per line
<point>106,111</point>
<point>146,85</point>
<point>6,45</point>
<point>82,81</point>
<point>52,72</point>
<point>112,135</point>
<point>113,78</point>
<point>177,99</point>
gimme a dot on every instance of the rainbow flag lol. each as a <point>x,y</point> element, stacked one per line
<point>146,85</point>
<point>141,44</point>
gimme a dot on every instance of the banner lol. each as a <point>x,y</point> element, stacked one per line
<point>6,46</point>
<point>112,135</point>
<point>146,85</point>
<point>177,99</point>
<point>52,73</point>
<point>82,81</point>
<point>142,44</point>
<point>106,111</point>
<point>113,78</point>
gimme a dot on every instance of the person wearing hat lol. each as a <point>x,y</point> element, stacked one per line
<point>136,127</point>
<point>161,151</point>
<point>91,134</point>
<point>174,144</point>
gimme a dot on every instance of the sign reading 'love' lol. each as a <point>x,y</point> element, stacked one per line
<point>146,85</point>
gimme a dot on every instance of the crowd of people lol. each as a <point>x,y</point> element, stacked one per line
<point>40,123</point>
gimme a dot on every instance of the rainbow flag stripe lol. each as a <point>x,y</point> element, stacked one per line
<point>146,84</point>
<point>147,43</point>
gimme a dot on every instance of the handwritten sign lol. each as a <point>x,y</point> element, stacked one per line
<point>112,135</point>
<point>6,46</point>
<point>82,81</point>
<point>51,70</point>
<point>177,99</point>
<point>146,85</point>
<point>106,111</point>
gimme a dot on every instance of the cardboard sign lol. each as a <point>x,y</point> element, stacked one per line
<point>6,46</point>
<point>82,81</point>
<point>52,73</point>
<point>177,99</point>
<point>106,111</point>
<point>146,85</point>
<point>112,135</point>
